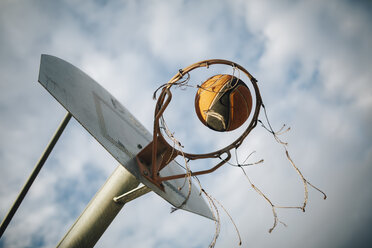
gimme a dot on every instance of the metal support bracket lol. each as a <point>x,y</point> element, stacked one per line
<point>131,195</point>
<point>34,174</point>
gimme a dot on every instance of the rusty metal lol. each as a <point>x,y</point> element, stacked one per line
<point>114,127</point>
<point>162,152</point>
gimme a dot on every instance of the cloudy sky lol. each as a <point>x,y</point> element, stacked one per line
<point>313,63</point>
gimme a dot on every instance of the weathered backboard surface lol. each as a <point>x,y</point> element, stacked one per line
<point>113,127</point>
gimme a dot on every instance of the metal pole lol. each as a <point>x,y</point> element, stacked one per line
<point>102,210</point>
<point>34,174</point>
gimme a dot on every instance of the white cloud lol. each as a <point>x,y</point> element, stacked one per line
<point>311,59</point>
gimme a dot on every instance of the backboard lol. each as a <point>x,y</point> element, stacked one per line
<point>111,124</point>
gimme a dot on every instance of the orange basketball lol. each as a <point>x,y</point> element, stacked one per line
<point>223,102</point>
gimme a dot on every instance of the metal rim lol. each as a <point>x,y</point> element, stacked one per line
<point>161,106</point>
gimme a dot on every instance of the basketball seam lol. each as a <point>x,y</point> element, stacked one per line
<point>220,93</point>
<point>199,96</point>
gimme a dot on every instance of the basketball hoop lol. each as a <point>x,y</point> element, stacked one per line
<point>157,154</point>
